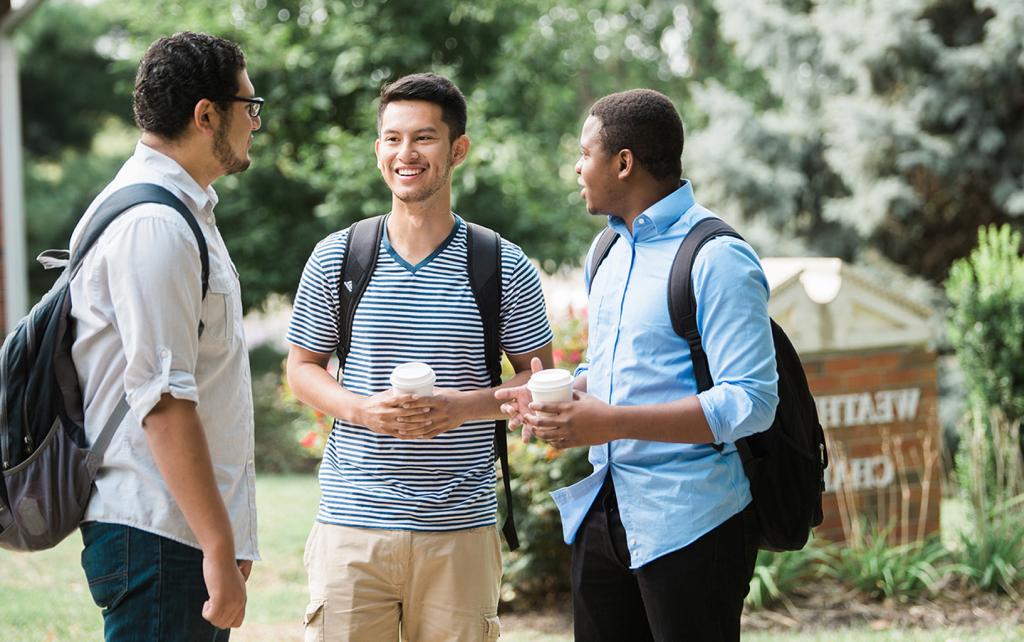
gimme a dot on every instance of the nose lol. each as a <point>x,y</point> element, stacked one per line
<point>257,122</point>
<point>579,166</point>
<point>407,151</point>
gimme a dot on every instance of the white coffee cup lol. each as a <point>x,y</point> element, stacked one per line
<point>413,378</point>
<point>554,384</point>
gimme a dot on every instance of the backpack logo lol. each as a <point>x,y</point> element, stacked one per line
<point>348,285</point>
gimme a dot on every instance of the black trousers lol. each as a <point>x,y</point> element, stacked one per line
<point>692,594</point>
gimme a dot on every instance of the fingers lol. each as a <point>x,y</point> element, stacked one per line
<point>245,566</point>
<point>550,407</point>
<point>536,365</point>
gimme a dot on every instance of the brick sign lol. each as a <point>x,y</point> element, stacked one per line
<point>880,414</point>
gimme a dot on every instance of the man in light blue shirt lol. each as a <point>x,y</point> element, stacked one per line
<point>663,547</point>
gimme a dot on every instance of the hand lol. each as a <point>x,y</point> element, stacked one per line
<point>517,401</point>
<point>245,567</point>
<point>584,421</point>
<point>226,585</point>
<point>440,413</point>
<point>385,413</point>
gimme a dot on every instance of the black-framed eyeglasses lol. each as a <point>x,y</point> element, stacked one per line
<point>254,106</point>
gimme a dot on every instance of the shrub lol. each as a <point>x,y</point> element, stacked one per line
<point>875,568</point>
<point>776,575</point>
<point>539,570</point>
<point>986,321</point>
<point>992,555</point>
<point>280,420</point>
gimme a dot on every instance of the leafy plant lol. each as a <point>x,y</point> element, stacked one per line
<point>777,574</point>
<point>539,569</point>
<point>992,555</point>
<point>874,567</point>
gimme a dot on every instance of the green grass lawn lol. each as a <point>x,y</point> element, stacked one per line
<point>44,596</point>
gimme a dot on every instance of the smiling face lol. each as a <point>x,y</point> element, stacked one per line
<point>233,138</point>
<point>414,153</point>
<point>598,171</point>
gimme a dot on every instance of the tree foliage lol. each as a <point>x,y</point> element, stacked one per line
<point>892,125</point>
<point>529,70</point>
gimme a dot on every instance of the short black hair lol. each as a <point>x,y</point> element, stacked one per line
<point>177,72</point>
<point>431,88</point>
<point>645,122</point>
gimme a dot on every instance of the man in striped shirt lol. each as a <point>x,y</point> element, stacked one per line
<point>405,536</point>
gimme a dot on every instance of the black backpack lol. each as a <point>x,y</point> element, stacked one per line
<point>48,466</point>
<point>484,266</point>
<point>785,463</point>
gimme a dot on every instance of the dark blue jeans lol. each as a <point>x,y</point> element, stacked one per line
<point>149,587</point>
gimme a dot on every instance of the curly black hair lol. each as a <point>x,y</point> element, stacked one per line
<point>431,88</point>
<point>647,123</point>
<point>177,72</point>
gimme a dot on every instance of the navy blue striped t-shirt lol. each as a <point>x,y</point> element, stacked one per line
<point>425,313</point>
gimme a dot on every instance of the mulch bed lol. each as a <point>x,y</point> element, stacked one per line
<point>829,606</point>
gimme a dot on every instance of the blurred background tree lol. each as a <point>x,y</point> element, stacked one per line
<point>892,127</point>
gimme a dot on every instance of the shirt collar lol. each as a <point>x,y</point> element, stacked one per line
<point>204,199</point>
<point>662,214</point>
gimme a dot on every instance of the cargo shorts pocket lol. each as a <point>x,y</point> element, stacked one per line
<point>492,628</point>
<point>313,624</point>
<point>105,562</point>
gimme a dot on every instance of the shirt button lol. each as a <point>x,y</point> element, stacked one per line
<point>165,353</point>
<point>209,219</point>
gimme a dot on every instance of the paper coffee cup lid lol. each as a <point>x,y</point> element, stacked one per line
<point>412,374</point>
<point>550,379</point>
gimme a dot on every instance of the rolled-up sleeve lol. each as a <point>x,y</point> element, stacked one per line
<point>732,316</point>
<point>153,273</point>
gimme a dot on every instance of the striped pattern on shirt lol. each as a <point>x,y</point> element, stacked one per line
<point>414,313</point>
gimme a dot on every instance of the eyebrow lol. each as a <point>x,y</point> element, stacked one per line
<point>431,129</point>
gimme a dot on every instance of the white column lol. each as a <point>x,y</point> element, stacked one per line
<point>12,181</point>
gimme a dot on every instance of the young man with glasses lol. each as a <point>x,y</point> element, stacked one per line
<point>405,536</point>
<point>170,529</point>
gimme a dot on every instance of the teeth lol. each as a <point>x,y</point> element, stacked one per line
<point>409,172</point>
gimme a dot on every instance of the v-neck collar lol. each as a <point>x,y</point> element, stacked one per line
<point>440,248</point>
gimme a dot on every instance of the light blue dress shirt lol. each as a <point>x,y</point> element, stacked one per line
<point>671,494</point>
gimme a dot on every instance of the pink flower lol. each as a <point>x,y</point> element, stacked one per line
<point>309,440</point>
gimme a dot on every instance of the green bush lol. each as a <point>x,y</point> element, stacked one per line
<point>986,322</point>
<point>281,422</point>
<point>992,553</point>
<point>539,570</point>
<point>776,575</point>
<point>880,570</point>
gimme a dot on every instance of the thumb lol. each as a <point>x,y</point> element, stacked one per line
<point>536,365</point>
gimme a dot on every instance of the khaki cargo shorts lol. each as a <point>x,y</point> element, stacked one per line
<point>374,585</point>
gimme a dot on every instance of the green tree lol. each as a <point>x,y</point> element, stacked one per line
<point>529,70</point>
<point>893,126</point>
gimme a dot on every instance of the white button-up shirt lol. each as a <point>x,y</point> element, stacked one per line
<point>137,303</point>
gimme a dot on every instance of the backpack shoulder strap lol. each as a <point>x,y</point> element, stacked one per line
<point>116,204</point>
<point>361,249</point>
<point>605,240</point>
<point>681,300</point>
<point>484,267</point>
<point>123,200</point>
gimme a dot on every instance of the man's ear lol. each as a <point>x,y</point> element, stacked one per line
<point>626,162</point>
<point>205,117</point>
<point>460,150</point>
